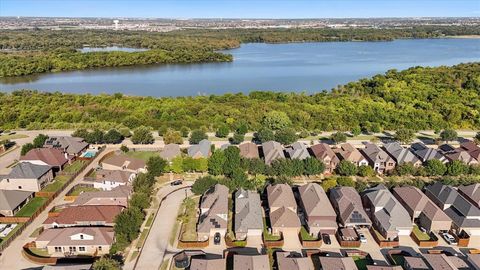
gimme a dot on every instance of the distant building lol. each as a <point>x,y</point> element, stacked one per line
<point>117,196</point>
<point>297,150</point>
<point>401,155</point>
<point>200,150</point>
<point>170,151</point>
<point>213,212</point>
<point>319,214</point>
<point>471,193</point>
<point>125,163</point>
<point>46,156</point>
<point>425,154</point>
<point>282,209</point>
<point>324,153</point>
<point>249,150</point>
<point>348,204</point>
<point>350,153</point>
<point>11,201</point>
<point>27,176</point>
<point>72,146</point>
<point>272,151</point>
<point>85,215</point>
<point>378,159</point>
<point>110,179</point>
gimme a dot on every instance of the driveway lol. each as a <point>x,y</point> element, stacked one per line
<point>291,241</point>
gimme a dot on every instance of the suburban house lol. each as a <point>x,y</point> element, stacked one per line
<point>213,212</point>
<point>337,263</point>
<point>348,204</point>
<point>85,215</point>
<point>76,241</point>
<point>293,261</point>
<point>422,210</point>
<point>72,146</point>
<point>46,156</point>
<point>425,154</point>
<point>271,151</point>
<point>117,196</point>
<point>110,179</point>
<point>401,155</point>
<point>348,152</point>
<point>318,212</point>
<point>27,176</point>
<point>444,262</point>
<point>324,153</point>
<point>378,159</point>
<point>472,148</point>
<point>297,150</point>
<point>282,209</point>
<point>250,262</point>
<point>125,163</point>
<point>11,201</point>
<point>465,216</point>
<point>200,150</point>
<point>202,263</point>
<point>471,193</point>
<point>248,214</point>
<point>249,150</point>
<point>460,154</point>
<point>389,217</point>
<point>170,151</point>
<point>415,263</point>
<point>474,260</point>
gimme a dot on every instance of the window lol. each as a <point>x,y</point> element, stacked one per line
<point>99,248</point>
<point>81,236</point>
<point>72,249</point>
<point>58,249</point>
<point>19,187</point>
<point>81,248</point>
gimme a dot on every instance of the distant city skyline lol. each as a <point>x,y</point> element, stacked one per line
<point>271,9</point>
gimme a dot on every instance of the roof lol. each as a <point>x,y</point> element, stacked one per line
<point>280,195</point>
<point>315,201</point>
<point>297,150</point>
<point>202,149</point>
<point>472,192</point>
<point>348,203</point>
<point>474,259</point>
<point>384,267</point>
<point>27,170</point>
<point>86,213</point>
<point>400,154</point>
<point>102,236</point>
<point>207,264</point>
<point>375,154</point>
<point>472,148</point>
<point>284,217</point>
<point>11,199</point>
<point>113,176</point>
<point>350,153</point>
<point>70,145</point>
<point>425,154</point>
<point>249,150</point>
<point>416,263</point>
<point>287,261</point>
<point>271,151</point>
<point>215,201</point>
<point>442,262</point>
<point>250,262</point>
<point>50,156</point>
<point>121,160</point>
<point>170,151</point>
<point>248,211</point>
<point>323,151</point>
<point>106,197</point>
<point>337,263</point>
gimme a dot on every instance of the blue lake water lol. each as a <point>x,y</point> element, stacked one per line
<point>308,67</point>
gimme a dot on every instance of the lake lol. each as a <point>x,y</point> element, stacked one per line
<point>308,67</point>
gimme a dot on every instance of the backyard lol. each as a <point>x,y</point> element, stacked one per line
<point>360,262</point>
<point>306,236</point>
<point>420,235</point>
<point>58,183</point>
<point>75,167</point>
<point>31,207</point>
<point>77,190</point>
<point>267,235</point>
<point>144,155</point>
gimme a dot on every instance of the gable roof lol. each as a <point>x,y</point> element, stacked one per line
<point>472,148</point>
<point>202,149</point>
<point>11,199</point>
<point>350,153</point>
<point>68,144</point>
<point>280,195</point>
<point>104,197</point>
<point>102,236</point>
<point>472,192</point>
<point>348,204</point>
<point>121,160</point>
<point>86,213</point>
<point>248,211</point>
<point>207,264</point>
<point>113,176</point>
<point>315,201</point>
<point>284,217</point>
<point>297,150</point>
<point>249,150</point>
<point>337,263</point>
<point>50,156</point>
<point>415,200</point>
<point>27,170</point>
<point>170,151</point>
<point>323,151</point>
<point>250,262</point>
<point>271,151</point>
<point>375,154</point>
<point>425,154</point>
<point>400,154</point>
<point>287,261</point>
<point>215,201</point>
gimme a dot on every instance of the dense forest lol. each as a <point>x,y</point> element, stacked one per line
<point>26,52</point>
<point>416,98</point>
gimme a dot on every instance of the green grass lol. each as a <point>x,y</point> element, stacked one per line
<point>189,219</point>
<point>76,166</point>
<point>268,236</point>
<point>377,233</point>
<point>57,184</point>
<point>144,155</point>
<point>398,259</point>
<point>142,238</point>
<point>39,252</point>
<point>306,236</point>
<point>360,262</point>
<point>79,190</point>
<point>36,233</point>
<point>12,232</point>
<point>31,207</point>
<point>12,137</point>
<point>420,235</point>
<point>150,220</point>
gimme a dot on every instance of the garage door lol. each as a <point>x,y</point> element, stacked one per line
<point>255,232</point>
<point>404,232</point>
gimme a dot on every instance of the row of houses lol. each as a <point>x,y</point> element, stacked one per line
<point>391,213</point>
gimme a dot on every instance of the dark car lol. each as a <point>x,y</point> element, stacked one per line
<point>216,239</point>
<point>176,182</point>
<point>326,239</point>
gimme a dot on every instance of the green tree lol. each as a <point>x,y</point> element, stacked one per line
<point>124,148</point>
<point>356,131</point>
<point>256,166</point>
<point>232,160</point>
<point>177,165</point>
<point>456,168</point>
<point>200,164</point>
<point>39,141</point>
<point>127,226</point>
<point>172,136</point>
<point>196,136</point>
<point>345,182</point>
<point>405,169</point>
<point>113,136</point>
<point>26,148</point>
<point>185,131</point>
<point>81,133</point>
<point>142,135</point>
<point>125,132</point>
<point>237,138</point>
<point>286,136</point>
<point>327,184</point>
<point>276,120</point>
<point>264,135</point>
<point>242,128</point>
<point>140,200</point>
<point>202,184</point>
<point>162,130</point>
<point>366,171</point>
<point>95,137</point>
<point>298,167</point>
<point>156,166</point>
<point>338,137</point>
<point>346,168</point>
<point>313,166</point>
<point>216,163</point>
<point>106,263</point>
<point>222,131</point>
<point>404,135</point>
<point>435,167</point>
<point>448,135</point>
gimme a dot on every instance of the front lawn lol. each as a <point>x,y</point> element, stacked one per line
<point>75,167</point>
<point>79,190</point>
<point>360,262</point>
<point>307,236</point>
<point>268,236</point>
<point>144,155</point>
<point>31,207</point>
<point>57,184</point>
<point>420,235</point>
<point>188,217</point>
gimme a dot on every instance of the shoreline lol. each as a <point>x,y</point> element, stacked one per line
<point>464,37</point>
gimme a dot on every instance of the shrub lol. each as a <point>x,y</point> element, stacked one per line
<point>366,171</point>
<point>196,136</point>
<point>346,168</point>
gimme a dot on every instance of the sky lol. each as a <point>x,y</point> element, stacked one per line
<point>241,8</point>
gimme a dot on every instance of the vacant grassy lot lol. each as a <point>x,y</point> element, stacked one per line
<point>188,217</point>
<point>144,155</point>
<point>12,137</point>
<point>31,207</point>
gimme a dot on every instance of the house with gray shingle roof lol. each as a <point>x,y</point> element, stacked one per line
<point>425,153</point>
<point>401,155</point>
<point>200,150</point>
<point>378,159</point>
<point>249,150</point>
<point>282,209</point>
<point>11,201</point>
<point>297,150</point>
<point>348,204</point>
<point>460,154</point>
<point>389,217</point>
<point>250,262</point>
<point>319,214</point>
<point>472,148</point>
<point>271,151</point>
<point>293,261</point>
<point>28,177</point>
<point>472,193</point>
<point>170,151</point>
<point>248,214</point>
<point>204,263</point>
<point>73,146</point>
<point>213,212</point>
<point>348,152</point>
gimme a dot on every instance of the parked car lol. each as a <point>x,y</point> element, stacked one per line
<point>326,239</point>
<point>362,237</point>
<point>216,239</point>
<point>176,182</point>
<point>449,239</point>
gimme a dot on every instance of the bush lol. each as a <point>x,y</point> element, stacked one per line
<point>435,167</point>
<point>237,138</point>
<point>346,168</point>
<point>142,135</point>
<point>366,171</point>
<point>222,131</point>
<point>106,263</point>
<point>264,135</point>
<point>345,182</point>
<point>26,148</point>
<point>456,168</point>
<point>338,137</point>
<point>448,135</point>
<point>313,166</point>
<point>327,184</point>
<point>113,137</point>
<point>172,136</point>
<point>124,148</point>
<point>197,135</point>
<point>185,131</point>
<point>405,169</point>
<point>286,136</point>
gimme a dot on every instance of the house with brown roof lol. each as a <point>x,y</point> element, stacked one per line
<point>444,262</point>
<point>471,193</point>
<point>27,176</point>
<point>324,153</point>
<point>248,214</point>
<point>170,151</point>
<point>110,179</point>
<point>472,148</point>
<point>401,155</point>
<point>203,263</point>
<point>46,156</point>
<point>348,152</point>
<point>249,150</point>
<point>272,151</point>
<point>251,262</point>
<point>459,154</point>
<point>293,261</point>
<point>297,150</point>
<point>282,209</point>
<point>474,260</point>
<point>117,196</point>
<point>349,208</point>
<point>11,201</point>
<point>319,214</point>
<point>414,263</point>
<point>76,241</point>
<point>421,209</point>
<point>378,159</point>
<point>213,212</point>
<point>72,146</point>
<point>125,163</point>
<point>337,263</point>
<point>85,215</point>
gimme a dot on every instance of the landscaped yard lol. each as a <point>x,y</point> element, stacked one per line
<point>75,167</point>
<point>39,252</point>
<point>420,235</point>
<point>57,184</point>
<point>188,216</point>
<point>145,155</point>
<point>80,189</point>
<point>306,236</point>
<point>360,262</point>
<point>31,207</point>
<point>268,236</point>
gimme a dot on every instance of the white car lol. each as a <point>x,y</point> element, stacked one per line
<point>362,237</point>
<point>449,239</point>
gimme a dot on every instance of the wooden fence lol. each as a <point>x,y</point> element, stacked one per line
<point>36,259</point>
<point>463,239</point>
<point>433,242</point>
<point>383,243</point>
<point>347,243</point>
